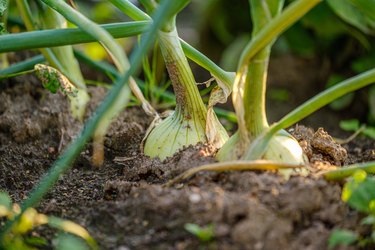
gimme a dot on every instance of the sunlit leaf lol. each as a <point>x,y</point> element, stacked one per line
<point>202,233</point>
<point>362,195</point>
<point>349,125</point>
<point>73,228</point>
<point>358,13</point>
<point>341,237</point>
<point>358,177</point>
<point>26,222</point>
<point>367,6</point>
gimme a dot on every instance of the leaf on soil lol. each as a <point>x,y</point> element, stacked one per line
<point>341,237</point>
<point>204,234</point>
<point>52,80</point>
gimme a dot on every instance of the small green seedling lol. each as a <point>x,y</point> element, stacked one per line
<point>355,126</point>
<point>19,236</point>
<point>204,234</point>
<point>342,237</point>
<point>359,194</point>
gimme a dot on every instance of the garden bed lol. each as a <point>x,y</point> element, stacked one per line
<point>124,205</point>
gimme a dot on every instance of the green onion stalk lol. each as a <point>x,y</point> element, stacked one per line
<point>3,24</point>
<point>188,124</point>
<point>249,94</point>
<point>61,58</point>
<point>120,61</point>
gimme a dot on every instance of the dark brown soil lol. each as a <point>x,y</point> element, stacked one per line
<point>123,203</point>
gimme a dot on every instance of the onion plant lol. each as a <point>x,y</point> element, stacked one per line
<point>249,98</point>
<point>160,15</point>
<point>61,58</point>
<point>20,237</point>
<point>188,124</point>
<point>192,121</point>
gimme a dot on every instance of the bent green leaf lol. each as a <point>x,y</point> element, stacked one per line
<point>359,13</point>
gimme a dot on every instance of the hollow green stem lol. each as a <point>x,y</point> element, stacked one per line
<point>130,10</point>
<point>91,28</point>
<point>187,124</point>
<point>17,74</point>
<point>344,172</point>
<point>59,37</point>
<point>21,66</point>
<point>169,96</point>
<point>226,77</point>
<point>249,93</point>
<point>326,97</point>
<point>26,15</point>
<point>4,5</point>
<point>67,158</point>
<point>121,63</point>
<point>275,27</point>
<point>188,99</point>
<point>150,6</point>
<point>24,9</point>
<point>50,19</point>
<point>254,96</point>
<point>138,15</point>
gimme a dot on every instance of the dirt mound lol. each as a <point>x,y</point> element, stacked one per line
<point>124,205</point>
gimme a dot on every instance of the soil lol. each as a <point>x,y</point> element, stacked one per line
<point>124,205</point>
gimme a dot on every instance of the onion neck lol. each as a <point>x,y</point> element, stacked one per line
<point>188,101</point>
<point>255,93</point>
